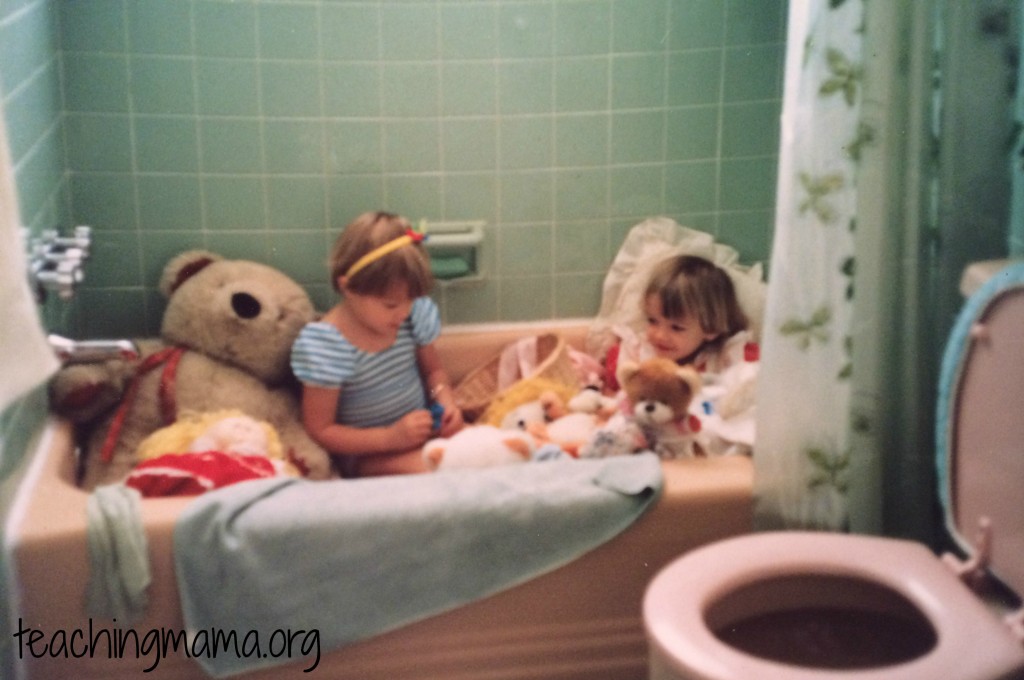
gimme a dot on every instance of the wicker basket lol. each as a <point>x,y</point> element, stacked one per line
<point>480,387</point>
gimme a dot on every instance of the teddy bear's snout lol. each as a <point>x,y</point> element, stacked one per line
<point>245,305</point>
<point>652,412</point>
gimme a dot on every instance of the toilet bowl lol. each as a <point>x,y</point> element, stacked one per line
<point>795,605</point>
<point>802,605</point>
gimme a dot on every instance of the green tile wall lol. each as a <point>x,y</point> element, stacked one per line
<point>259,128</point>
<point>30,90</point>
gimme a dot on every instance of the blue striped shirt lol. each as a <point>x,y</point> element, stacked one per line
<point>377,388</point>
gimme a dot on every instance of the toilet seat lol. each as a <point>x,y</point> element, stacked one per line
<point>979,428</point>
<point>980,473</point>
<point>972,643</point>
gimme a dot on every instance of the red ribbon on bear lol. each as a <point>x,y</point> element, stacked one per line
<point>169,356</point>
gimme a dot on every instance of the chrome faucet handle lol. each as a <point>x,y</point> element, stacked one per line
<point>59,253</point>
<point>80,240</point>
<point>55,261</point>
<point>60,276</point>
<point>85,351</point>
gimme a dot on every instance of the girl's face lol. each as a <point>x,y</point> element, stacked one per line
<point>381,315</point>
<point>673,339</point>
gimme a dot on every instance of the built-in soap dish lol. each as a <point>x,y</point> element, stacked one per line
<point>455,249</point>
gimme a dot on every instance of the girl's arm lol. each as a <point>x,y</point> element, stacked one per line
<point>439,389</point>
<point>319,405</point>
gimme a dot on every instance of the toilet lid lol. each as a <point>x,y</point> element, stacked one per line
<point>980,421</point>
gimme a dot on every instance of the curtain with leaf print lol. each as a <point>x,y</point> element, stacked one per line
<point>846,389</point>
<point>803,453</point>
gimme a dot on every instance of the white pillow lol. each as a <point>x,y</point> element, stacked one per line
<point>646,245</point>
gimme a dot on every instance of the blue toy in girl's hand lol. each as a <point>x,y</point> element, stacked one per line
<point>437,412</point>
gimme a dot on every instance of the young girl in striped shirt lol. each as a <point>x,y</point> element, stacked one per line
<point>368,367</point>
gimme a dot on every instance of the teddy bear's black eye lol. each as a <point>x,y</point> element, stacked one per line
<point>245,305</point>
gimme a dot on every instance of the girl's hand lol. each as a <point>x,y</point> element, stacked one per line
<point>451,418</point>
<point>413,429</point>
<point>451,421</point>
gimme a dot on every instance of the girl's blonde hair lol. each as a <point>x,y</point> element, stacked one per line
<point>687,285</point>
<point>409,264</point>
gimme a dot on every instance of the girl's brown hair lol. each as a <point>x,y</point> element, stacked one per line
<point>687,285</point>
<point>409,264</point>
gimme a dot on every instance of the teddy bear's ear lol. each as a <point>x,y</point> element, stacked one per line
<point>625,371</point>
<point>691,377</point>
<point>184,266</point>
<point>433,454</point>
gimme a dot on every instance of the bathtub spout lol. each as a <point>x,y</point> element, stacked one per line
<point>91,351</point>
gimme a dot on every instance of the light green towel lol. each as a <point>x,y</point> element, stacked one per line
<point>118,558</point>
<point>356,558</point>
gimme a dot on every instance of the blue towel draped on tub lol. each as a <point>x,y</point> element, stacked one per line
<point>352,559</point>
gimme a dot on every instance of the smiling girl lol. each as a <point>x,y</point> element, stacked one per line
<point>692,317</point>
<point>368,367</point>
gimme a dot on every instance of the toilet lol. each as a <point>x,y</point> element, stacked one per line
<point>797,605</point>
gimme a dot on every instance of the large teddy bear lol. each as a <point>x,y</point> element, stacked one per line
<point>224,343</point>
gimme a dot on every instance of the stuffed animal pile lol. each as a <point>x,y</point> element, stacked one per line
<point>224,343</point>
<point>652,413</point>
<point>552,421</point>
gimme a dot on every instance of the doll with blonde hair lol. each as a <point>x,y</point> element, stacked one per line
<point>369,367</point>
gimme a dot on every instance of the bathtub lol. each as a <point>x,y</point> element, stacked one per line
<point>582,620</point>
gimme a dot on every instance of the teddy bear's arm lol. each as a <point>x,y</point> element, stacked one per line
<point>303,452</point>
<point>83,392</point>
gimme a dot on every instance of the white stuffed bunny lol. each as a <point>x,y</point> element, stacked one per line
<point>478,446</point>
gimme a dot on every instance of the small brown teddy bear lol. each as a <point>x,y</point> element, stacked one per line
<point>225,342</point>
<point>659,393</point>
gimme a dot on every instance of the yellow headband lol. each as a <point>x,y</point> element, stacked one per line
<point>405,239</point>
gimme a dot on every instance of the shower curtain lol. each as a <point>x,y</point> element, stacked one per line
<point>1016,231</point>
<point>25,363</point>
<point>25,358</point>
<point>843,304</point>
